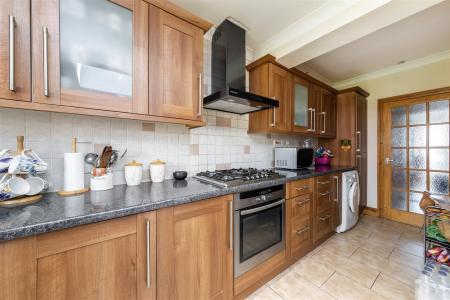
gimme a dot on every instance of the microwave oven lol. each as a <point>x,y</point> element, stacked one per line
<point>293,158</point>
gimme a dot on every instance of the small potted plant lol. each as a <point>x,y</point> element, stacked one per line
<point>323,156</point>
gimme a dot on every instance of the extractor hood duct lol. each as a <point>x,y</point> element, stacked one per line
<point>228,74</point>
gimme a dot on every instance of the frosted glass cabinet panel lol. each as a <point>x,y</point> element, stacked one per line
<point>302,105</point>
<point>96,47</point>
<point>91,54</point>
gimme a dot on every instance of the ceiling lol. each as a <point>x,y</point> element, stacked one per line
<point>264,18</point>
<point>420,35</point>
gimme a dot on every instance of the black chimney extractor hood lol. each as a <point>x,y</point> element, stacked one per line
<point>228,74</point>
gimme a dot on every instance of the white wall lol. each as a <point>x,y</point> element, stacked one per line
<point>426,77</point>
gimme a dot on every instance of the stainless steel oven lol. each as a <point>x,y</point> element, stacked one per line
<point>259,227</point>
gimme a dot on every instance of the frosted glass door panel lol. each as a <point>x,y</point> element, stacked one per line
<point>96,42</point>
<point>301,105</point>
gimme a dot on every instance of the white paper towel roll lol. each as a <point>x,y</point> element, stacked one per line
<point>73,172</point>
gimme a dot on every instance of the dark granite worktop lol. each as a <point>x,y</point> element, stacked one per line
<point>54,212</point>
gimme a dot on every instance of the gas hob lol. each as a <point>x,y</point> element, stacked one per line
<point>236,177</point>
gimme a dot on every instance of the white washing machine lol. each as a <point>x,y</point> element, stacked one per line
<point>350,200</point>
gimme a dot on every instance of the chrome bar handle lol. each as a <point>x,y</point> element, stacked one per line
<point>324,114</point>
<point>314,123</point>
<point>231,225</point>
<point>148,254</point>
<point>323,182</point>
<point>200,95</point>
<point>310,119</point>
<point>302,188</point>
<point>336,199</point>
<point>358,141</point>
<point>324,218</point>
<point>12,43</point>
<point>324,194</point>
<point>274,115</point>
<point>306,228</point>
<point>45,55</point>
<point>253,210</point>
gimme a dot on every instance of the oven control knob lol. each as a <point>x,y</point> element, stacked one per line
<point>258,199</point>
<point>263,197</point>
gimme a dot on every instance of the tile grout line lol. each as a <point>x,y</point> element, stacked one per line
<point>375,281</point>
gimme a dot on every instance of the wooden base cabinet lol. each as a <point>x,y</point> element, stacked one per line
<point>195,252</point>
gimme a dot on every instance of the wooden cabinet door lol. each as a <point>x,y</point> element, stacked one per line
<point>337,201</point>
<point>18,269</point>
<point>15,66</point>
<point>194,245</point>
<point>96,64</point>
<point>361,147</point>
<point>302,105</point>
<point>279,89</point>
<point>176,66</point>
<point>95,261</point>
<point>327,114</point>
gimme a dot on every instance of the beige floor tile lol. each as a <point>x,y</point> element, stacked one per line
<point>379,247</point>
<point>392,289</point>
<point>341,287</point>
<point>385,236</point>
<point>314,271</point>
<point>410,247</point>
<point>293,287</point>
<point>276,278</point>
<point>392,269</point>
<point>264,293</point>
<point>412,237</point>
<point>407,259</point>
<point>341,245</point>
<point>358,272</point>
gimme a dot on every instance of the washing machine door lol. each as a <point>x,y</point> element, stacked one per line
<point>353,197</point>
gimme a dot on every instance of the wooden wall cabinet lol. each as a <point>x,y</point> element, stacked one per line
<point>176,64</point>
<point>195,255</point>
<point>145,65</point>
<point>269,80</point>
<point>15,68</point>
<point>307,106</point>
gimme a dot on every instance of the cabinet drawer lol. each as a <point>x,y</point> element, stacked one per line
<point>301,206</point>
<point>299,187</point>
<point>323,183</point>
<point>301,235</point>
<point>323,201</point>
<point>323,224</point>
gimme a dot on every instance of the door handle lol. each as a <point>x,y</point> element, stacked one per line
<point>306,228</point>
<point>200,96</point>
<point>231,225</point>
<point>324,194</point>
<point>323,182</point>
<point>12,42</point>
<point>310,110</point>
<point>324,116</point>
<point>358,141</point>
<point>148,254</point>
<point>336,199</point>
<point>388,161</point>
<point>324,218</point>
<point>314,122</point>
<point>253,210</point>
<point>303,202</point>
<point>302,188</point>
<point>274,115</point>
<point>45,58</point>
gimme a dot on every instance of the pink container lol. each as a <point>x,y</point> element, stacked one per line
<point>324,160</point>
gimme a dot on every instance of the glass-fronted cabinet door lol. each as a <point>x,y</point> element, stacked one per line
<point>302,108</point>
<point>91,54</point>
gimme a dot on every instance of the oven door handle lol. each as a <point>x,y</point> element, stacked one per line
<point>253,210</point>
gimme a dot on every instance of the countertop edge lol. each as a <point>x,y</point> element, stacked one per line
<point>46,227</point>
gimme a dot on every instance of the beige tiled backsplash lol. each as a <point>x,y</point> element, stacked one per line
<point>222,144</point>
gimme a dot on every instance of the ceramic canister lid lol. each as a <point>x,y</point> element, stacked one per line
<point>157,162</point>
<point>133,164</point>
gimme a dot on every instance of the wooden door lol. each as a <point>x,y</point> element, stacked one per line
<point>327,114</point>
<point>100,67</point>
<point>176,64</point>
<point>15,66</point>
<point>415,152</point>
<point>279,89</point>
<point>96,261</point>
<point>194,245</point>
<point>302,103</point>
<point>361,147</point>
